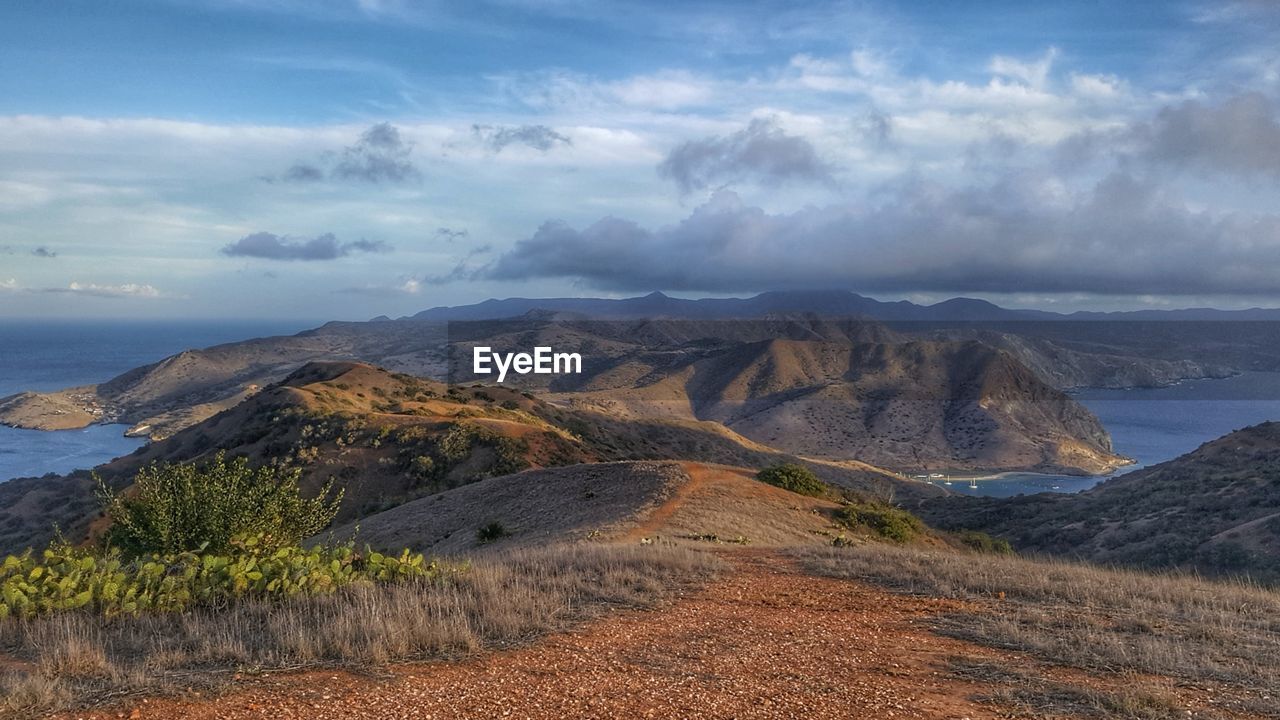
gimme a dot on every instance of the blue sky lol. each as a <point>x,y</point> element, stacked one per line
<point>349,158</point>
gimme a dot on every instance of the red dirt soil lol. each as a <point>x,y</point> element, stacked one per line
<point>764,642</point>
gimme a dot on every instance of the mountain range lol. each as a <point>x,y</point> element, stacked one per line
<point>822,302</point>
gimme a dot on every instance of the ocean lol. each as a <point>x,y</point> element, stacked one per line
<point>54,355</point>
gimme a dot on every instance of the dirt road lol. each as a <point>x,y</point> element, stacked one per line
<point>762,642</point>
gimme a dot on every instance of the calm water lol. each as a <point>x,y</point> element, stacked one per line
<point>51,356</point>
<point>1152,426</point>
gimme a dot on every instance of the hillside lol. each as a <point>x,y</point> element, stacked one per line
<point>387,438</point>
<point>1066,367</point>
<point>605,502</point>
<point>1215,510</point>
<point>910,406</point>
<point>181,390</point>
<point>832,388</point>
<point>1121,350</point>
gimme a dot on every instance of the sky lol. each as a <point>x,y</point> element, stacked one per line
<point>342,159</point>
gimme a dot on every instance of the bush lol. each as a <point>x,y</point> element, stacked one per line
<point>491,532</point>
<point>983,542</point>
<point>886,521</point>
<point>422,467</point>
<point>172,509</point>
<point>63,578</point>
<point>796,478</point>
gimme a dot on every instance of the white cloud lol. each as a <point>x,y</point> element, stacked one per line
<point>666,90</point>
<point>1097,87</point>
<point>1034,73</point>
<point>126,290</point>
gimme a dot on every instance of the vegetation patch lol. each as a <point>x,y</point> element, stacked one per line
<point>175,508</point>
<point>796,478</point>
<point>491,532</point>
<point>197,535</point>
<point>108,583</point>
<point>882,520</point>
<point>78,659</point>
<point>984,543</point>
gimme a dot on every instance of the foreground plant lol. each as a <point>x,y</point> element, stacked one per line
<point>175,508</point>
<point>75,660</point>
<point>63,578</point>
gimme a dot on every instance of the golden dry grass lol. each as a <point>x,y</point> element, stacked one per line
<point>76,660</point>
<point>1159,629</point>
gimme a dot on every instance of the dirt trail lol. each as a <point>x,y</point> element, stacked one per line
<point>699,475</point>
<point>766,641</point>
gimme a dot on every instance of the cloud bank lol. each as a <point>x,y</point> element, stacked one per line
<point>1019,234</point>
<point>762,152</point>
<point>270,246</point>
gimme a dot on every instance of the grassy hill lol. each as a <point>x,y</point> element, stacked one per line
<point>1215,511</point>
<point>626,501</point>
<point>387,438</point>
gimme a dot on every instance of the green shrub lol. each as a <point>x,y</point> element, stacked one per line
<point>491,532</point>
<point>886,521</point>
<point>423,467</point>
<point>178,508</point>
<point>796,478</point>
<point>983,542</point>
<point>63,578</point>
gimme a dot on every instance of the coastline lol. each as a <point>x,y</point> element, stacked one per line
<point>967,476</point>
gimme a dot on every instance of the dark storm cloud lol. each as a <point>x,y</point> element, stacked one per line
<point>761,152</point>
<point>1123,236</point>
<point>1241,136</point>
<point>380,155</point>
<point>1238,137</point>
<point>538,137</point>
<point>270,246</point>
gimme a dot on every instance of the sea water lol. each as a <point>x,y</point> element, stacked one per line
<point>54,355</point>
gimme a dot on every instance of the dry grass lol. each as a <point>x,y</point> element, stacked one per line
<point>1105,622</point>
<point>76,660</point>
